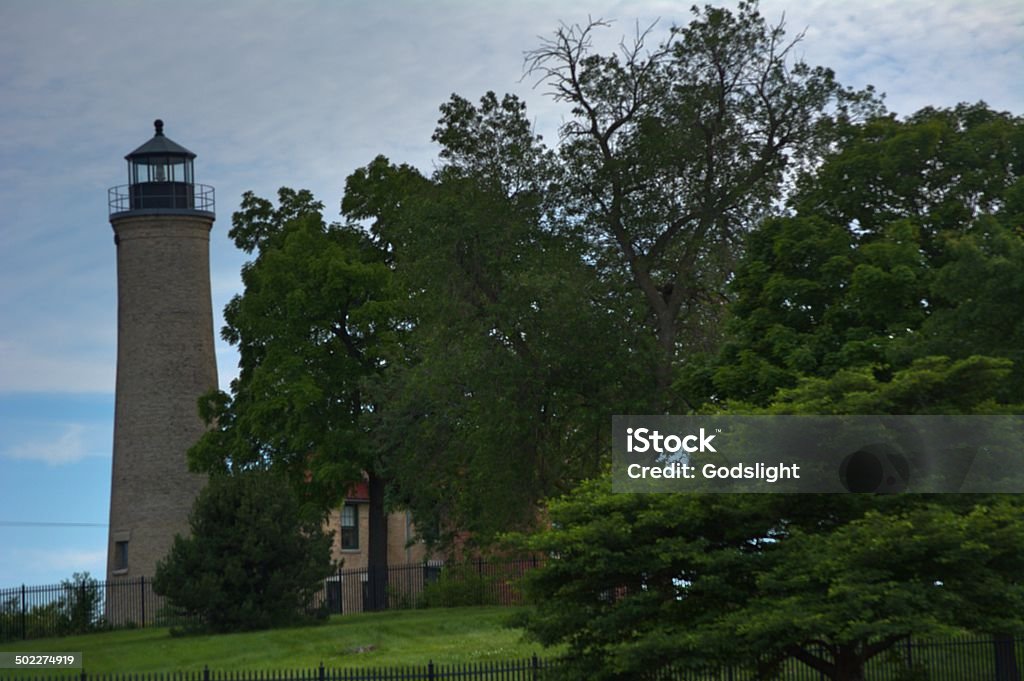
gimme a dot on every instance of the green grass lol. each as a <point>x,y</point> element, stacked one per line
<point>369,640</point>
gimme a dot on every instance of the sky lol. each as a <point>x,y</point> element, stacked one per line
<point>298,94</point>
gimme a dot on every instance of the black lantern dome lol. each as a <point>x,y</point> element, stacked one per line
<point>161,179</point>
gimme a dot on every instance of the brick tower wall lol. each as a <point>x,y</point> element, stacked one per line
<point>165,361</point>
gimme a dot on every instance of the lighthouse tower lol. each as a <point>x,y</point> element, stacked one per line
<point>165,354</point>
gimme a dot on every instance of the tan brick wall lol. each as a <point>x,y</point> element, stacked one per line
<point>165,361</point>
<point>400,532</point>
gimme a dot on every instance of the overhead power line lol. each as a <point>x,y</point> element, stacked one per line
<point>32,523</point>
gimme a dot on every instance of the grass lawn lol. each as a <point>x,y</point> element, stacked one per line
<point>399,637</point>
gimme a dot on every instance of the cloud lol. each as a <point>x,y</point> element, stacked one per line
<point>70,446</point>
<point>51,565</point>
<point>919,53</point>
<point>301,94</point>
<point>54,370</point>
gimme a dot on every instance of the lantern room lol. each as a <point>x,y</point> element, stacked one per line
<point>161,178</point>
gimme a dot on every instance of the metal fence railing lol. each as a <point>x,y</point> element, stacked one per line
<point>530,669</point>
<point>29,612</point>
<point>430,584</point>
<point>966,659</point>
<point>160,196</point>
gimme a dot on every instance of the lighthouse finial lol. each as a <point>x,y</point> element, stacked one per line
<point>159,125</point>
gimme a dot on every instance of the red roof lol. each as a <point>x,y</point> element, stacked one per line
<point>358,492</point>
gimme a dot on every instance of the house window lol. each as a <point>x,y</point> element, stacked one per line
<point>349,527</point>
<point>120,555</point>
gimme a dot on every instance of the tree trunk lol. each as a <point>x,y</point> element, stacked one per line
<point>849,664</point>
<point>377,548</point>
<point>666,358</point>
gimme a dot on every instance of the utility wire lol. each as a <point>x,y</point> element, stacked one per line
<point>28,523</point>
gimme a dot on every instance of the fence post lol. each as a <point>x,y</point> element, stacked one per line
<point>142,592</point>
<point>534,667</point>
<point>1006,658</point>
<point>430,670</point>
<point>480,574</point>
<point>24,626</point>
<point>206,673</point>
<point>321,670</point>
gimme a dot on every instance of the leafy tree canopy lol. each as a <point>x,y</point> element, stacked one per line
<point>310,328</point>
<point>905,304</point>
<point>673,152</point>
<point>905,245</point>
<point>489,406</point>
<point>544,289</point>
<point>306,327</point>
<point>636,583</point>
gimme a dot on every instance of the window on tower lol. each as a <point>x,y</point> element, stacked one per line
<point>120,555</point>
<point>349,527</point>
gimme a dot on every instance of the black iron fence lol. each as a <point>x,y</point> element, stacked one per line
<point>964,658</point>
<point>531,669</point>
<point>957,659</point>
<point>946,660</point>
<point>424,585</point>
<point>28,612</point>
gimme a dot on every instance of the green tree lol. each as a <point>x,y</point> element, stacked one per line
<point>907,302</point>
<point>308,328</point>
<point>545,290</point>
<point>82,603</point>
<point>499,379</point>
<point>637,583</point>
<point>906,244</point>
<point>672,153</point>
<point>512,262</point>
<point>253,559</point>
<point>78,610</point>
